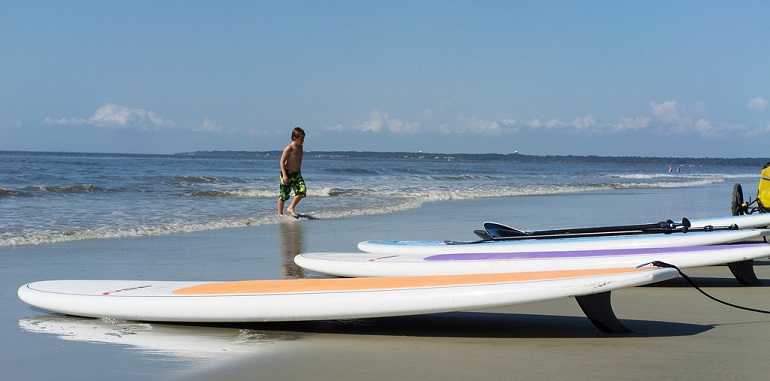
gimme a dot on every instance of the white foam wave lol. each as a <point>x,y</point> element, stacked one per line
<point>321,192</point>
<point>238,193</point>
<point>256,193</point>
<point>665,184</point>
<point>366,203</point>
<point>69,236</point>
<point>652,176</point>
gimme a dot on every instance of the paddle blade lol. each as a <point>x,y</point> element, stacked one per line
<point>496,230</point>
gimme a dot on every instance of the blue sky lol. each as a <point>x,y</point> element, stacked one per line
<point>631,78</point>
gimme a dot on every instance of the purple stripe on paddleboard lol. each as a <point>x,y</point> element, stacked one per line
<point>581,253</point>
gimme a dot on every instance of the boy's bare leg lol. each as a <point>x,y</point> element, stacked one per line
<point>292,205</point>
<point>280,207</point>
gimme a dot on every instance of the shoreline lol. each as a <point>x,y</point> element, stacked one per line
<point>677,329</point>
<point>408,208</point>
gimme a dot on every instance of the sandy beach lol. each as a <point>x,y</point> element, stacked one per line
<point>678,333</point>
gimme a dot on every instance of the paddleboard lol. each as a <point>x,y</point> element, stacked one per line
<point>497,230</point>
<point>743,222</point>
<point>378,265</point>
<point>677,239</point>
<point>322,299</point>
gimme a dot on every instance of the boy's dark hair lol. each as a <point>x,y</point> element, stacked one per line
<point>297,132</point>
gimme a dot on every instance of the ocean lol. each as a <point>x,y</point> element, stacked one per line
<point>58,197</point>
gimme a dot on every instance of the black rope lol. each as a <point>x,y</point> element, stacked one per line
<point>690,281</point>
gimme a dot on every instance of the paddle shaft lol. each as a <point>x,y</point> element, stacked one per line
<point>499,230</point>
<point>593,232</point>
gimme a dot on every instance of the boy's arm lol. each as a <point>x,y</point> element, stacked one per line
<point>282,165</point>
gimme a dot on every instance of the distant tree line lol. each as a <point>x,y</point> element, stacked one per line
<point>514,157</point>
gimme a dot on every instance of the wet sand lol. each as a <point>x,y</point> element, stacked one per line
<point>678,333</point>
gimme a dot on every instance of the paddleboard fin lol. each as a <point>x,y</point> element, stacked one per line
<point>598,309</point>
<point>743,271</point>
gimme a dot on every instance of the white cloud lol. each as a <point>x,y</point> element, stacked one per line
<point>672,112</point>
<point>209,125</point>
<point>628,123</point>
<point>690,120</point>
<point>397,126</point>
<point>114,116</point>
<point>555,122</point>
<point>704,127</point>
<point>580,123</point>
<point>681,119</point>
<point>374,124</point>
<point>549,124</point>
<point>665,118</point>
<point>337,127</point>
<point>583,123</point>
<point>483,127</point>
<point>758,103</point>
<point>535,123</point>
<point>379,121</point>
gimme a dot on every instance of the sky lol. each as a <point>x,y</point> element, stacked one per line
<point>610,78</point>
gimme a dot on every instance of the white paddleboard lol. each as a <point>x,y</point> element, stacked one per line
<point>743,222</point>
<point>494,229</point>
<point>321,299</point>
<point>677,239</point>
<point>379,265</point>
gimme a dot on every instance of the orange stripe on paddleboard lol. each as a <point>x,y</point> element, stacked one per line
<point>361,284</point>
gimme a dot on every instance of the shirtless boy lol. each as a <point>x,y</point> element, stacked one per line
<point>291,178</point>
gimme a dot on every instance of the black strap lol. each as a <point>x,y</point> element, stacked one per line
<point>690,281</point>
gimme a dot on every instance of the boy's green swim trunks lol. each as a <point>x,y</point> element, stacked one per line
<point>294,182</point>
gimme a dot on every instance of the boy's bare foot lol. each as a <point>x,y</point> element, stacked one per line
<point>293,214</point>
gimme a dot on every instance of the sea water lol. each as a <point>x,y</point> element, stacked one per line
<point>57,197</point>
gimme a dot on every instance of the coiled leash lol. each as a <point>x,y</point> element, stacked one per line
<point>692,283</point>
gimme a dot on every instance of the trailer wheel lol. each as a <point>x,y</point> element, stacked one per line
<point>737,206</point>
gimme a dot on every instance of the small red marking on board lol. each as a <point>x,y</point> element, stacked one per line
<point>124,289</point>
<point>378,258</point>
